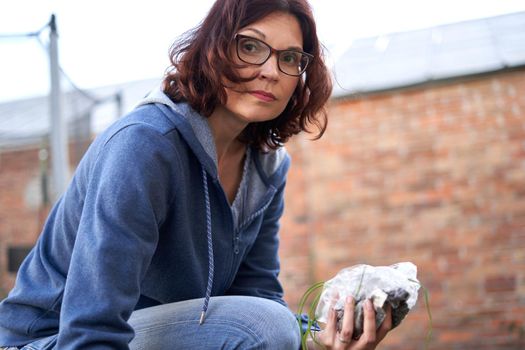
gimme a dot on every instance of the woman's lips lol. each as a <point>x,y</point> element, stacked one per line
<point>263,95</point>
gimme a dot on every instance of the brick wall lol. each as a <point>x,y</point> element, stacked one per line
<point>20,206</point>
<point>23,210</point>
<point>433,175</point>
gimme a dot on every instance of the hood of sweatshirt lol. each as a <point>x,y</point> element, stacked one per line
<point>260,170</point>
<point>270,161</point>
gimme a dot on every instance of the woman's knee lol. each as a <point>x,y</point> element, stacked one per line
<point>271,324</point>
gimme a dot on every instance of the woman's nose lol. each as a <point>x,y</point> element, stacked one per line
<point>270,68</point>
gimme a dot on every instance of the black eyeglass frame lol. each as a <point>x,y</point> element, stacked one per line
<point>272,51</point>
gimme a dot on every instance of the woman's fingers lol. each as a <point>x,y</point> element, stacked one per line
<point>328,334</point>
<point>386,326</point>
<point>331,338</point>
<point>331,327</point>
<point>347,328</point>
<point>369,327</point>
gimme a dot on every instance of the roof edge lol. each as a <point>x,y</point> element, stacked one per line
<point>426,83</point>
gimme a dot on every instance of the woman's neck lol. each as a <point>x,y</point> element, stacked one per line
<point>226,129</point>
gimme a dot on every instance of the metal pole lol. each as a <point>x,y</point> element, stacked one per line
<point>58,126</point>
<point>118,99</point>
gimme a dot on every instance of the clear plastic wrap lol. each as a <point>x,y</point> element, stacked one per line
<point>395,284</point>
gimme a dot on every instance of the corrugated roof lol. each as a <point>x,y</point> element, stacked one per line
<point>453,50</point>
<point>26,121</point>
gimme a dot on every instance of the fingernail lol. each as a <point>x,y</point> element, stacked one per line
<point>368,305</point>
<point>349,299</point>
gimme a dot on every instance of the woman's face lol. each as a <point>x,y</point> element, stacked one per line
<point>266,96</point>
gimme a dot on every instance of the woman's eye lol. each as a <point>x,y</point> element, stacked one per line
<point>290,58</point>
<point>250,47</point>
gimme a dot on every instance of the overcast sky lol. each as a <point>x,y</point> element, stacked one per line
<point>104,42</point>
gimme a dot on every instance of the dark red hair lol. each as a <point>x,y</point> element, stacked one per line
<point>201,60</point>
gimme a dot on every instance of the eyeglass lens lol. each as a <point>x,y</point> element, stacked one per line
<point>254,51</point>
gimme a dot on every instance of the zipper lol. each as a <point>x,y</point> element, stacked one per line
<point>228,212</point>
<point>237,231</point>
<point>267,200</point>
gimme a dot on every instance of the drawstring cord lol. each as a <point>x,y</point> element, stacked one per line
<point>210,247</point>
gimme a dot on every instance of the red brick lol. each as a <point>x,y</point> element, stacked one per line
<point>500,284</point>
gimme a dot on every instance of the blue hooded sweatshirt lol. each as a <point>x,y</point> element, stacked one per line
<point>145,222</point>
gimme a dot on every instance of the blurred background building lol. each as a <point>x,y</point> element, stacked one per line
<point>423,161</point>
<point>26,189</point>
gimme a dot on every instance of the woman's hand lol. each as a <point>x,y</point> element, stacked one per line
<point>332,339</point>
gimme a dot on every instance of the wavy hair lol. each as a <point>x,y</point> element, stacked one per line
<point>201,59</point>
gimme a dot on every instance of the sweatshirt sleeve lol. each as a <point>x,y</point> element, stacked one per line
<point>127,197</point>
<point>259,271</point>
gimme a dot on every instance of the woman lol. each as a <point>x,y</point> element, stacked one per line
<point>167,236</point>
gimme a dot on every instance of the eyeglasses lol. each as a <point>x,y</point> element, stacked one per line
<point>255,51</point>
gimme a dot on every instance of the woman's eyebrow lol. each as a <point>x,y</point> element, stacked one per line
<point>263,36</point>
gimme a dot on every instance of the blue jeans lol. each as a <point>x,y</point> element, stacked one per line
<point>232,322</point>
